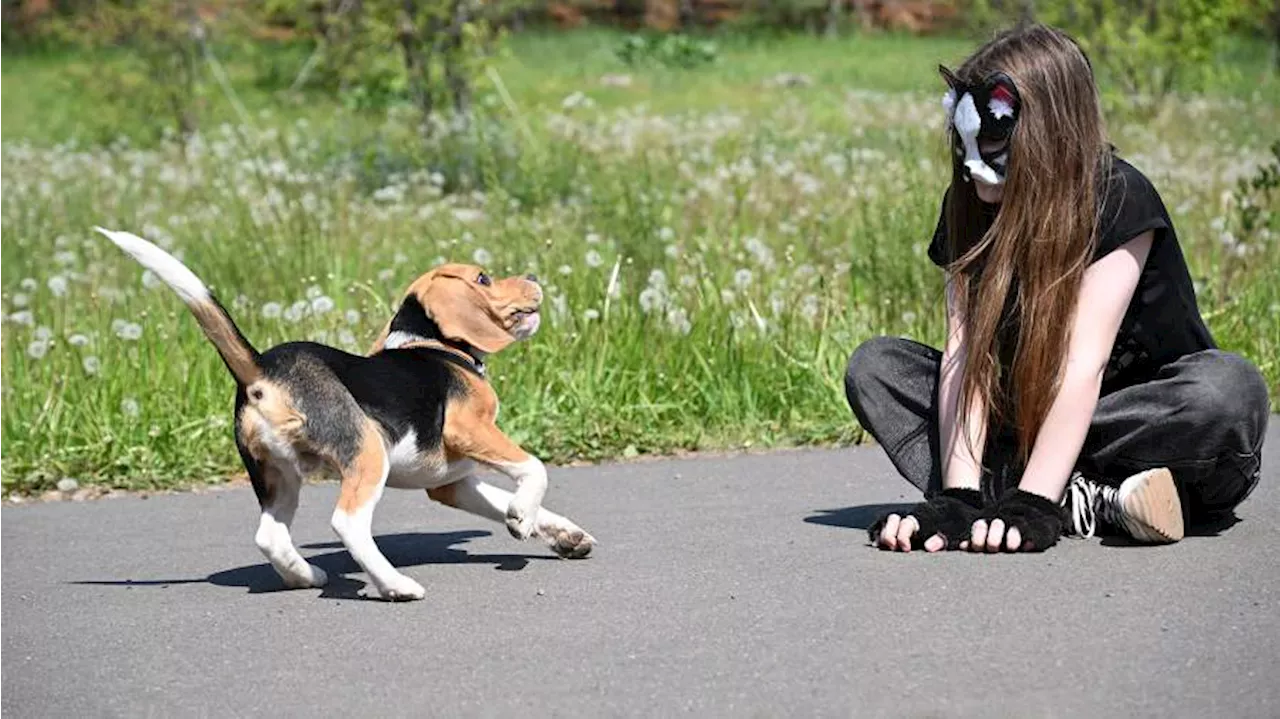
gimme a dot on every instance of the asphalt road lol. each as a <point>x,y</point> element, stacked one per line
<point>737,586</point>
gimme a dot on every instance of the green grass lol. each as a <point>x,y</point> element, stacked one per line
<point>760,234</point>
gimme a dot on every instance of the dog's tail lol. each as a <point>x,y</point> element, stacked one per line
<point>240,356</point>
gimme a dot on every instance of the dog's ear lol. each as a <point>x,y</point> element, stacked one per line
<point>464,315</point>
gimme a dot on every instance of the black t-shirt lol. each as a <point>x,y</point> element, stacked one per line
<point>1163,321</point>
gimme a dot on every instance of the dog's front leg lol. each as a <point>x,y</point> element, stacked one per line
<point>483,442</point>
<point>469,494</point>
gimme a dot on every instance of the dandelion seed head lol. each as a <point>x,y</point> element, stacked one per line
<point>129,406</point>
<point>296,311</point>
<point>21,299</point>
<point>594,259</point>
<point>42,333</point>
<point>91,365</point>
<point>78,340</point>
<point>678,318</point>
<point>322,304</point>
<point>352,317</point>
<point>37,349</point>
<point>559,307</point>
<point>482,257</point>
<point>58,285</point>
<point>742,278</point>
<point>130,331</point>
<point>809,307</point>
<point>271,310</point>
<point>591,314</point>
<point>29,284</point>
<point>651,299</point>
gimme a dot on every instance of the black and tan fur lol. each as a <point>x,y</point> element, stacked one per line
<point>416,413</point>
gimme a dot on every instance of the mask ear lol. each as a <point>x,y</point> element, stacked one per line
<point>950,77</point>
<point>463,316</point>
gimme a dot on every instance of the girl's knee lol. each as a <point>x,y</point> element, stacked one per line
<point>1228,390</point>
<point>871,359</point>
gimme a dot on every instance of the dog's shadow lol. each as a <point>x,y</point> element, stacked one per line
<point>409,549</point>
<point>861,516</point>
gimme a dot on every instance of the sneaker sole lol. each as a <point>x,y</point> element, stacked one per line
<point>1152,507</point>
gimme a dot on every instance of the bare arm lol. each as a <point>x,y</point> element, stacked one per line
<point>961,468</point>
<point>945,519</point>
<point>1105,293</point>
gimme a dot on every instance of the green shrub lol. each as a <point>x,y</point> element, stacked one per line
<point>674,51</point>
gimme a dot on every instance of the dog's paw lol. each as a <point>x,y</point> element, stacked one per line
<point>402,589</point>
<point>308,578</point>
<point>520,521</point>
<point>569,542</point>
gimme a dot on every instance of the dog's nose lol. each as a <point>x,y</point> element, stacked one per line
<point>531,277</point>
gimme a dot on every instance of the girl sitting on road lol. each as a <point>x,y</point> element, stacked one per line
<point>1078,388</point>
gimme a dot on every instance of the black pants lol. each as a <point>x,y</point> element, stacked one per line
<point>1203,417</point>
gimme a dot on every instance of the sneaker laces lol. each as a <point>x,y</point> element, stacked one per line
<point>1089,500</point>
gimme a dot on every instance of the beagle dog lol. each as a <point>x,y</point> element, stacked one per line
<point>417,413</point>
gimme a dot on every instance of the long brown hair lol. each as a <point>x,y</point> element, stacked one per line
<point>1027,268</point>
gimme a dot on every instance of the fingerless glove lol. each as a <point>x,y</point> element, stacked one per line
<point>950,513</point>
<point>1037,519</point>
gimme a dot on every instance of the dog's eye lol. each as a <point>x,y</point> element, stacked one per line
<point>484,279</point>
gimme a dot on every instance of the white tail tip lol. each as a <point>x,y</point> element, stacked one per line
<point>165,266</point>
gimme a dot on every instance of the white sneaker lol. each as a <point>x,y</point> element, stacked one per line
<point>1145,506</point>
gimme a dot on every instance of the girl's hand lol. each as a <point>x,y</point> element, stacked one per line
<point>899,534</point>
<point>941,522</point>
<point>1020,522</point>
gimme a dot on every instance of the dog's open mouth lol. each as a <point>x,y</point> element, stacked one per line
<point>526,323</point>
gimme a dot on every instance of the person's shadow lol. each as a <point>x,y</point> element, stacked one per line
<point>858,517</point>
<point>409,549</point>
<point>863,516</point>
<point>1213,527</point>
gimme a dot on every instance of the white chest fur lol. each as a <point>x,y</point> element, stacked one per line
<point>411,469</point>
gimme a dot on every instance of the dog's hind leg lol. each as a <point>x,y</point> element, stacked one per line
<point>363,478</point>
<point>278,507</point>
<point>276,482</point>
<point>485,500</point>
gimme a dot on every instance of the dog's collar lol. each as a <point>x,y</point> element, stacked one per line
<point>400,339</point>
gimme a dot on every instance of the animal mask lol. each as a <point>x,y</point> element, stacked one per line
<point>986,111</point>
